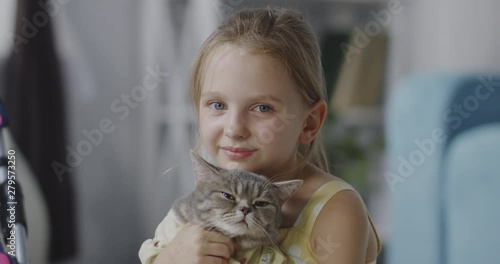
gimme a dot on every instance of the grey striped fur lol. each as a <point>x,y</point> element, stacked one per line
<point>209,207</point>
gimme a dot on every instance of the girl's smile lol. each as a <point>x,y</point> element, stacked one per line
<point>238,153</point>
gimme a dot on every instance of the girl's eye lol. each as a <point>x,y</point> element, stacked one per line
<point>217,105</point>
<point>228,196</point>
<point>263,108</point>
<point>261,203</point>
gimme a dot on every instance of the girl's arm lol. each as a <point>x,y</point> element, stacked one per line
<point>341,231</point>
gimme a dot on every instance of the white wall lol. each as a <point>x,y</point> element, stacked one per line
<point>98,45</point>
<point>107,48</point>
<point>444,35</point>
<point>7,14</point>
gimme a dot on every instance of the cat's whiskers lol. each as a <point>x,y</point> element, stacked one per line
<point>232,217</point>
<point>209,226</point>
<point>169,169</point>
<point>262,228</point>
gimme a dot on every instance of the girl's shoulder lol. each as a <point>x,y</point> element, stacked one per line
<point>345,219</point>
<point>326,189</point>
<point>298,240</point>
<point>318,187</point>
<point>334,214</point>
<point>325,193</point>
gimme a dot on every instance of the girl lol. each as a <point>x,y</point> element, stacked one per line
<point>258,88</point>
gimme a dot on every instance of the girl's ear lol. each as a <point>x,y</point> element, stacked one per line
<point>313,123</point>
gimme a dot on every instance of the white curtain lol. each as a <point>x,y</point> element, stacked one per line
<point>171,40</point>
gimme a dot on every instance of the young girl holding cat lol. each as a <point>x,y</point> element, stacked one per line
<point>259,92</point>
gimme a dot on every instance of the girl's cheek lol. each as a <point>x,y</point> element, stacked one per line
<point>266,133</point>
<point>276,126</point>
<point>208,128</point>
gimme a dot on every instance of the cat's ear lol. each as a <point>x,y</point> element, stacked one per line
<point>287,188</point>
<point>203,170</point>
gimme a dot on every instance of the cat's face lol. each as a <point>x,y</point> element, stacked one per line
<point>239,202</point>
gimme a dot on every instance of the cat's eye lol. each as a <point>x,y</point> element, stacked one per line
<point>228,196</point>
<point>261,203</point>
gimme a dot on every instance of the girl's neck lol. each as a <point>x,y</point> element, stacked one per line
<point>298,172</point>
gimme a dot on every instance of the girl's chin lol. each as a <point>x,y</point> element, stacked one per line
<point>238,165</point>
<point>231,165</point>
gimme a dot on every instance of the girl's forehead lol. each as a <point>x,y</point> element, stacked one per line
<point>231,66</point>
<point>229,55</point>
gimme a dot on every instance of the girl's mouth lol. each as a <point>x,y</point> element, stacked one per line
<point>238,153</point>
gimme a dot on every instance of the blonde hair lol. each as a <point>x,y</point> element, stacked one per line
<point>283,34</point>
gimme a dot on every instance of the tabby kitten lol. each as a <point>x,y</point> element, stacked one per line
<point>240,204</point>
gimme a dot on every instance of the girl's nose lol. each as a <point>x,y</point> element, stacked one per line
<point>236,127</point>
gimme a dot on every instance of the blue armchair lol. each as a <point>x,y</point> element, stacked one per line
<point>436,130</point>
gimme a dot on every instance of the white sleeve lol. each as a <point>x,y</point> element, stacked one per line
<point>165,232</point>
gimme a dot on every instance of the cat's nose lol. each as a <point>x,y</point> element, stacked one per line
<point>245,210</point>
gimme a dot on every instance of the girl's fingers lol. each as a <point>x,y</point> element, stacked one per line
<point>217,250</point>
<point>237,247</point>
<point>215,260</point>
<point>216,237</point>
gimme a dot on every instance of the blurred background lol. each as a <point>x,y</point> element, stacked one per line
<point>101,123</point>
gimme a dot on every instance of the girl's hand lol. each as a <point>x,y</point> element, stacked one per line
<point>194,245</point>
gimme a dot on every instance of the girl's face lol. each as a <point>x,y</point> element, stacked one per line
<point>251,115</point>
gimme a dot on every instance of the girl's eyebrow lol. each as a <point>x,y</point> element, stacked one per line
<point>212,94</point>
<point>268,97</point>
